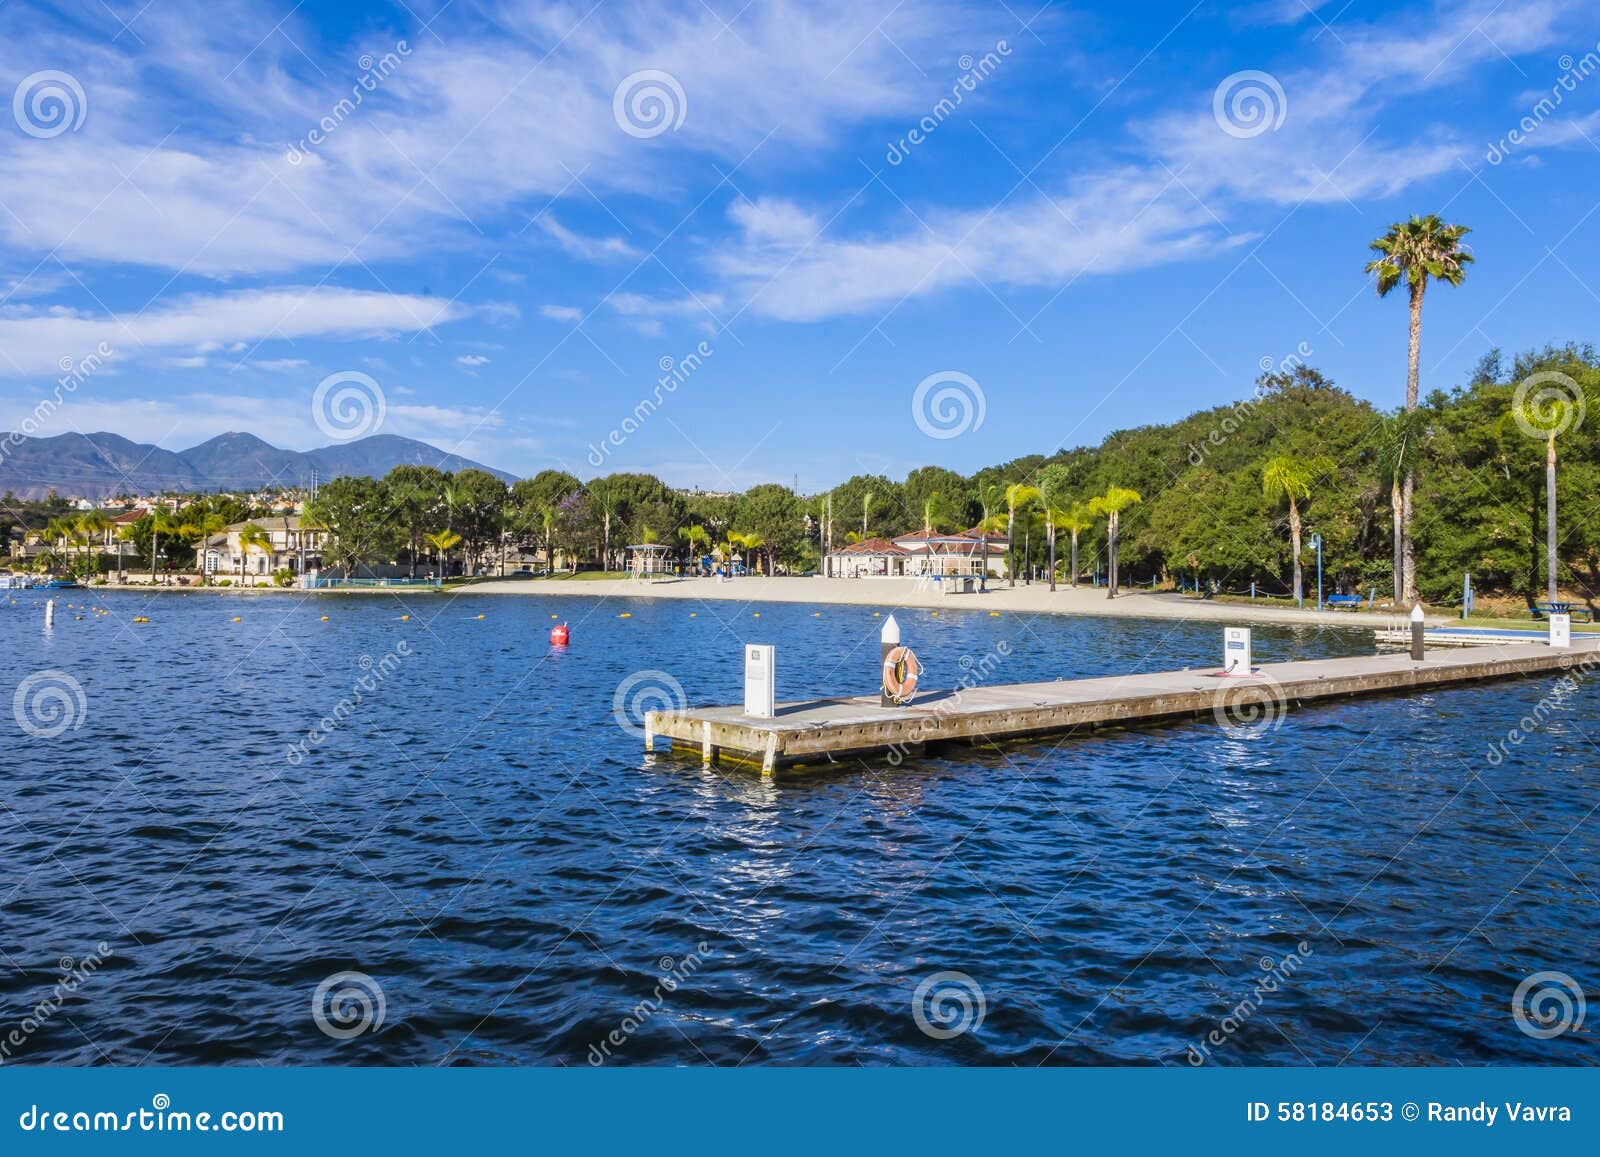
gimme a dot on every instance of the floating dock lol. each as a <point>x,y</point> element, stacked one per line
<point>823,731</point>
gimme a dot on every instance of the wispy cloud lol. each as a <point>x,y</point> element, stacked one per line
<point>36,344</point>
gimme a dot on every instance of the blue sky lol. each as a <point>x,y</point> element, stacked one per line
<point>508,246</point>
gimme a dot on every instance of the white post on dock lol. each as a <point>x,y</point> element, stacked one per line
<point>49,612</point>
<point>1417,625</point>
<point>1561,630</point>
<point>760,661</point>
<point>1236,650</point>
<point>888,640</point>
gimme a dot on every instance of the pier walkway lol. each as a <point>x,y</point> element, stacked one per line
<point>825,730</point>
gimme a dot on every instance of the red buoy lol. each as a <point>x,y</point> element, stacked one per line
<point>559,635</point>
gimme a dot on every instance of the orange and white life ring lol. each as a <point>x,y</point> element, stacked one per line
<point>900,672</point>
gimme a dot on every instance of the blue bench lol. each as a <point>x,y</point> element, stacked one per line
<point>1543,607</point>
<point>1344,602</point>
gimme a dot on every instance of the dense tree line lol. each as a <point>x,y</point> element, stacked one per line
<point>1222,496</point>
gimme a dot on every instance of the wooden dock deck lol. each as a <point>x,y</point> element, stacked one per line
<point>825,730</point>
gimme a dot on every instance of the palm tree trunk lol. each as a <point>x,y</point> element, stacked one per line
<point>1027,553</point>
<point>1408,558</point>
<point>1050,529</point>
<point>1074,579</point>
<point>1550,514</point>
<point>1408,561</point>
<point>1294,548</point>
<point>1011,547</point>
<point>1399,542</point>
<point>1111,556</point>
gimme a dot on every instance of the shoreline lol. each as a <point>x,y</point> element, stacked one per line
<point>866,592</point>
<point>896,592</point>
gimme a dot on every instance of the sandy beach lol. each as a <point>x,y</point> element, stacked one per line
<point>888,592</point>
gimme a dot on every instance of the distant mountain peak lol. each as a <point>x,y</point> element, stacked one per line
<point>103,464</point>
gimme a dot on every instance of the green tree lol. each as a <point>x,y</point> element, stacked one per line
<point>358,521</point>
<point>418,494</point>
<point>251,537</point>
<point>1110,506</point>
<point>1291,478</point>
<point>1018,494</point>
<point>1416,252</point>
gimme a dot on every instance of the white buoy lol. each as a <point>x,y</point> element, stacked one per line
<point>888,640</point>
<point>49,612</point>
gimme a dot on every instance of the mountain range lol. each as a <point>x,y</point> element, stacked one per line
<point>102,465</point>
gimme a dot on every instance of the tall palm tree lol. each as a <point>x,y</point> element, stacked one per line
<point>866,505</point>
<point>1075,520</point>
<point>251,537</point>
<point>1417,251</point>
<point>162,521</point>
<point>1286,476</point>
<point>1110,506</point>
<point>695,537</point>
<point>1399,441</point>
<point>1053,483</point>
<point>1017,494</point>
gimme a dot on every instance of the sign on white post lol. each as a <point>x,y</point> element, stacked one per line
<point>760,660</point>
<point>1561,630</point>
<point>1236,650</point>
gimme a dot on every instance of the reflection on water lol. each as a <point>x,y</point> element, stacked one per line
<point>474,834</point>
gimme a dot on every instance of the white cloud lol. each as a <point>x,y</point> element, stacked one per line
<point>182,162</point>
<point>568,313</point>
<point>36,344</point>
<point>588,248</point>
<point>638,305</point>
<point>1185,198</point>
<point>472,361</point>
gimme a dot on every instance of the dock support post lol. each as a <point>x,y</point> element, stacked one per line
<point>708,753</point>
<point>1417,626</point>
<point>769,758</point>
<point>649,730</point>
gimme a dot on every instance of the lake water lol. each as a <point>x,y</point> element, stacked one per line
<point>479,838</point>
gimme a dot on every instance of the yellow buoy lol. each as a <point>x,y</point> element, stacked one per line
<point>405,618</point>
<point>994,614</point>
<point>877,614</point>
<point>324,618</point>
<point>936,614</point>
<point>816,614</point>
<point>554,616</point>
<point>236,618</point>
<point>480,616</point>
<point>694,614</point>
<point>625,615</point>
<point>755,615</point>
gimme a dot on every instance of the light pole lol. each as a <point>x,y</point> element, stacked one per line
<point>1316,541</point>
